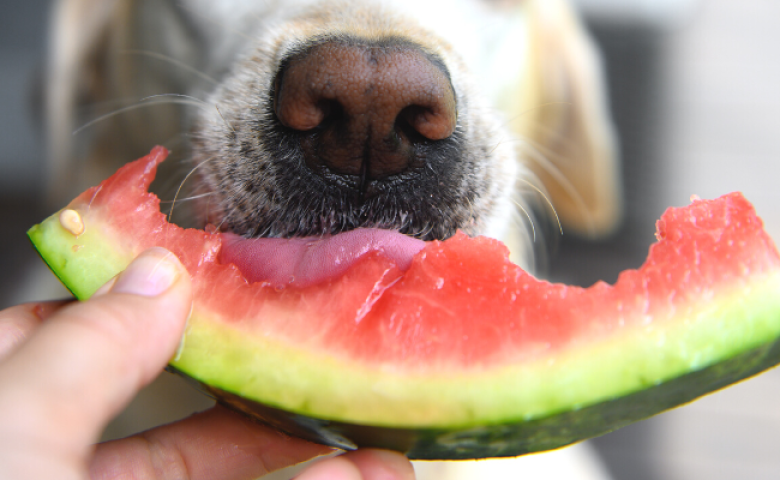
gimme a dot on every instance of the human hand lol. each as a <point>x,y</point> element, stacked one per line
<point>67,368</point>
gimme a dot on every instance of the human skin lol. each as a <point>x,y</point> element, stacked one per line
<point>67,368</point>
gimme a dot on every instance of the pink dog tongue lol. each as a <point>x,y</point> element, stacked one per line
<point>307,261</point>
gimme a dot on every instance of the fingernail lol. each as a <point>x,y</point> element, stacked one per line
<point>151,274</point>
<point>105,288</point>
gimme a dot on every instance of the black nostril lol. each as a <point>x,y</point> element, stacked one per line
<point>369,102</point>
<point>331,112</point>
<point>409,122</point>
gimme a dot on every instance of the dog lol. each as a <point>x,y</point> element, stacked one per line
<point>314,117</point>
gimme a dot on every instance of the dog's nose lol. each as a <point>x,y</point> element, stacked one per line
<point>365,108</point>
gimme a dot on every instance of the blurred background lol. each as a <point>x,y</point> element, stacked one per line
<point>695,92</point>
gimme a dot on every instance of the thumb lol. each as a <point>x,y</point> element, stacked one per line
<point>88,360</point>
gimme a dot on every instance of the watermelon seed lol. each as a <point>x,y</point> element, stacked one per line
<point>72,222</point>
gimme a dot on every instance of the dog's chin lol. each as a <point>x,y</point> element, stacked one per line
<point>306,261</point>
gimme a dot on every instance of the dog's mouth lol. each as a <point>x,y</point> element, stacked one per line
<point>356,149</point>
<point>302,262</point>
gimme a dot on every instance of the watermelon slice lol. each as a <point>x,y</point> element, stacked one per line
<point>445,349</point>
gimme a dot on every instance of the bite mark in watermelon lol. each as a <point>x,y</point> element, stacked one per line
<point>452,351</point>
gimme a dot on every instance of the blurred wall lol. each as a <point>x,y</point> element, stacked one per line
<point>22,42</point>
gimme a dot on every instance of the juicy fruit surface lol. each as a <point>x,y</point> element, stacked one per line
<point>462,339</point>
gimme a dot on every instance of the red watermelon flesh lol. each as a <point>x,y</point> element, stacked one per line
<point>444,336</point>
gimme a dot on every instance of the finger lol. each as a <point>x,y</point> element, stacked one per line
<point>85,363</point>
<point>365,464</point>
<point>377,464</point>
<point>19,322</point>
<point>216,444</point>
<point>336,468</point>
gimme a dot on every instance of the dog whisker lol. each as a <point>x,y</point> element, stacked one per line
<point>181,185</point>
<point>162,99</point>
<point>525,254</point>
<point>547,200</point>
<point>533,154</point>
<point>527,214</point>
<point>178,98</point>
<point>224,119</point>
<point>174,62</point>
<point>187,199</point>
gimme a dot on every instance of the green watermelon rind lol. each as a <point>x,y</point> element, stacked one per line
<point>335,389</point>
<point>84,273</point>
<point>705,338</point>
<point>515,438</point>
